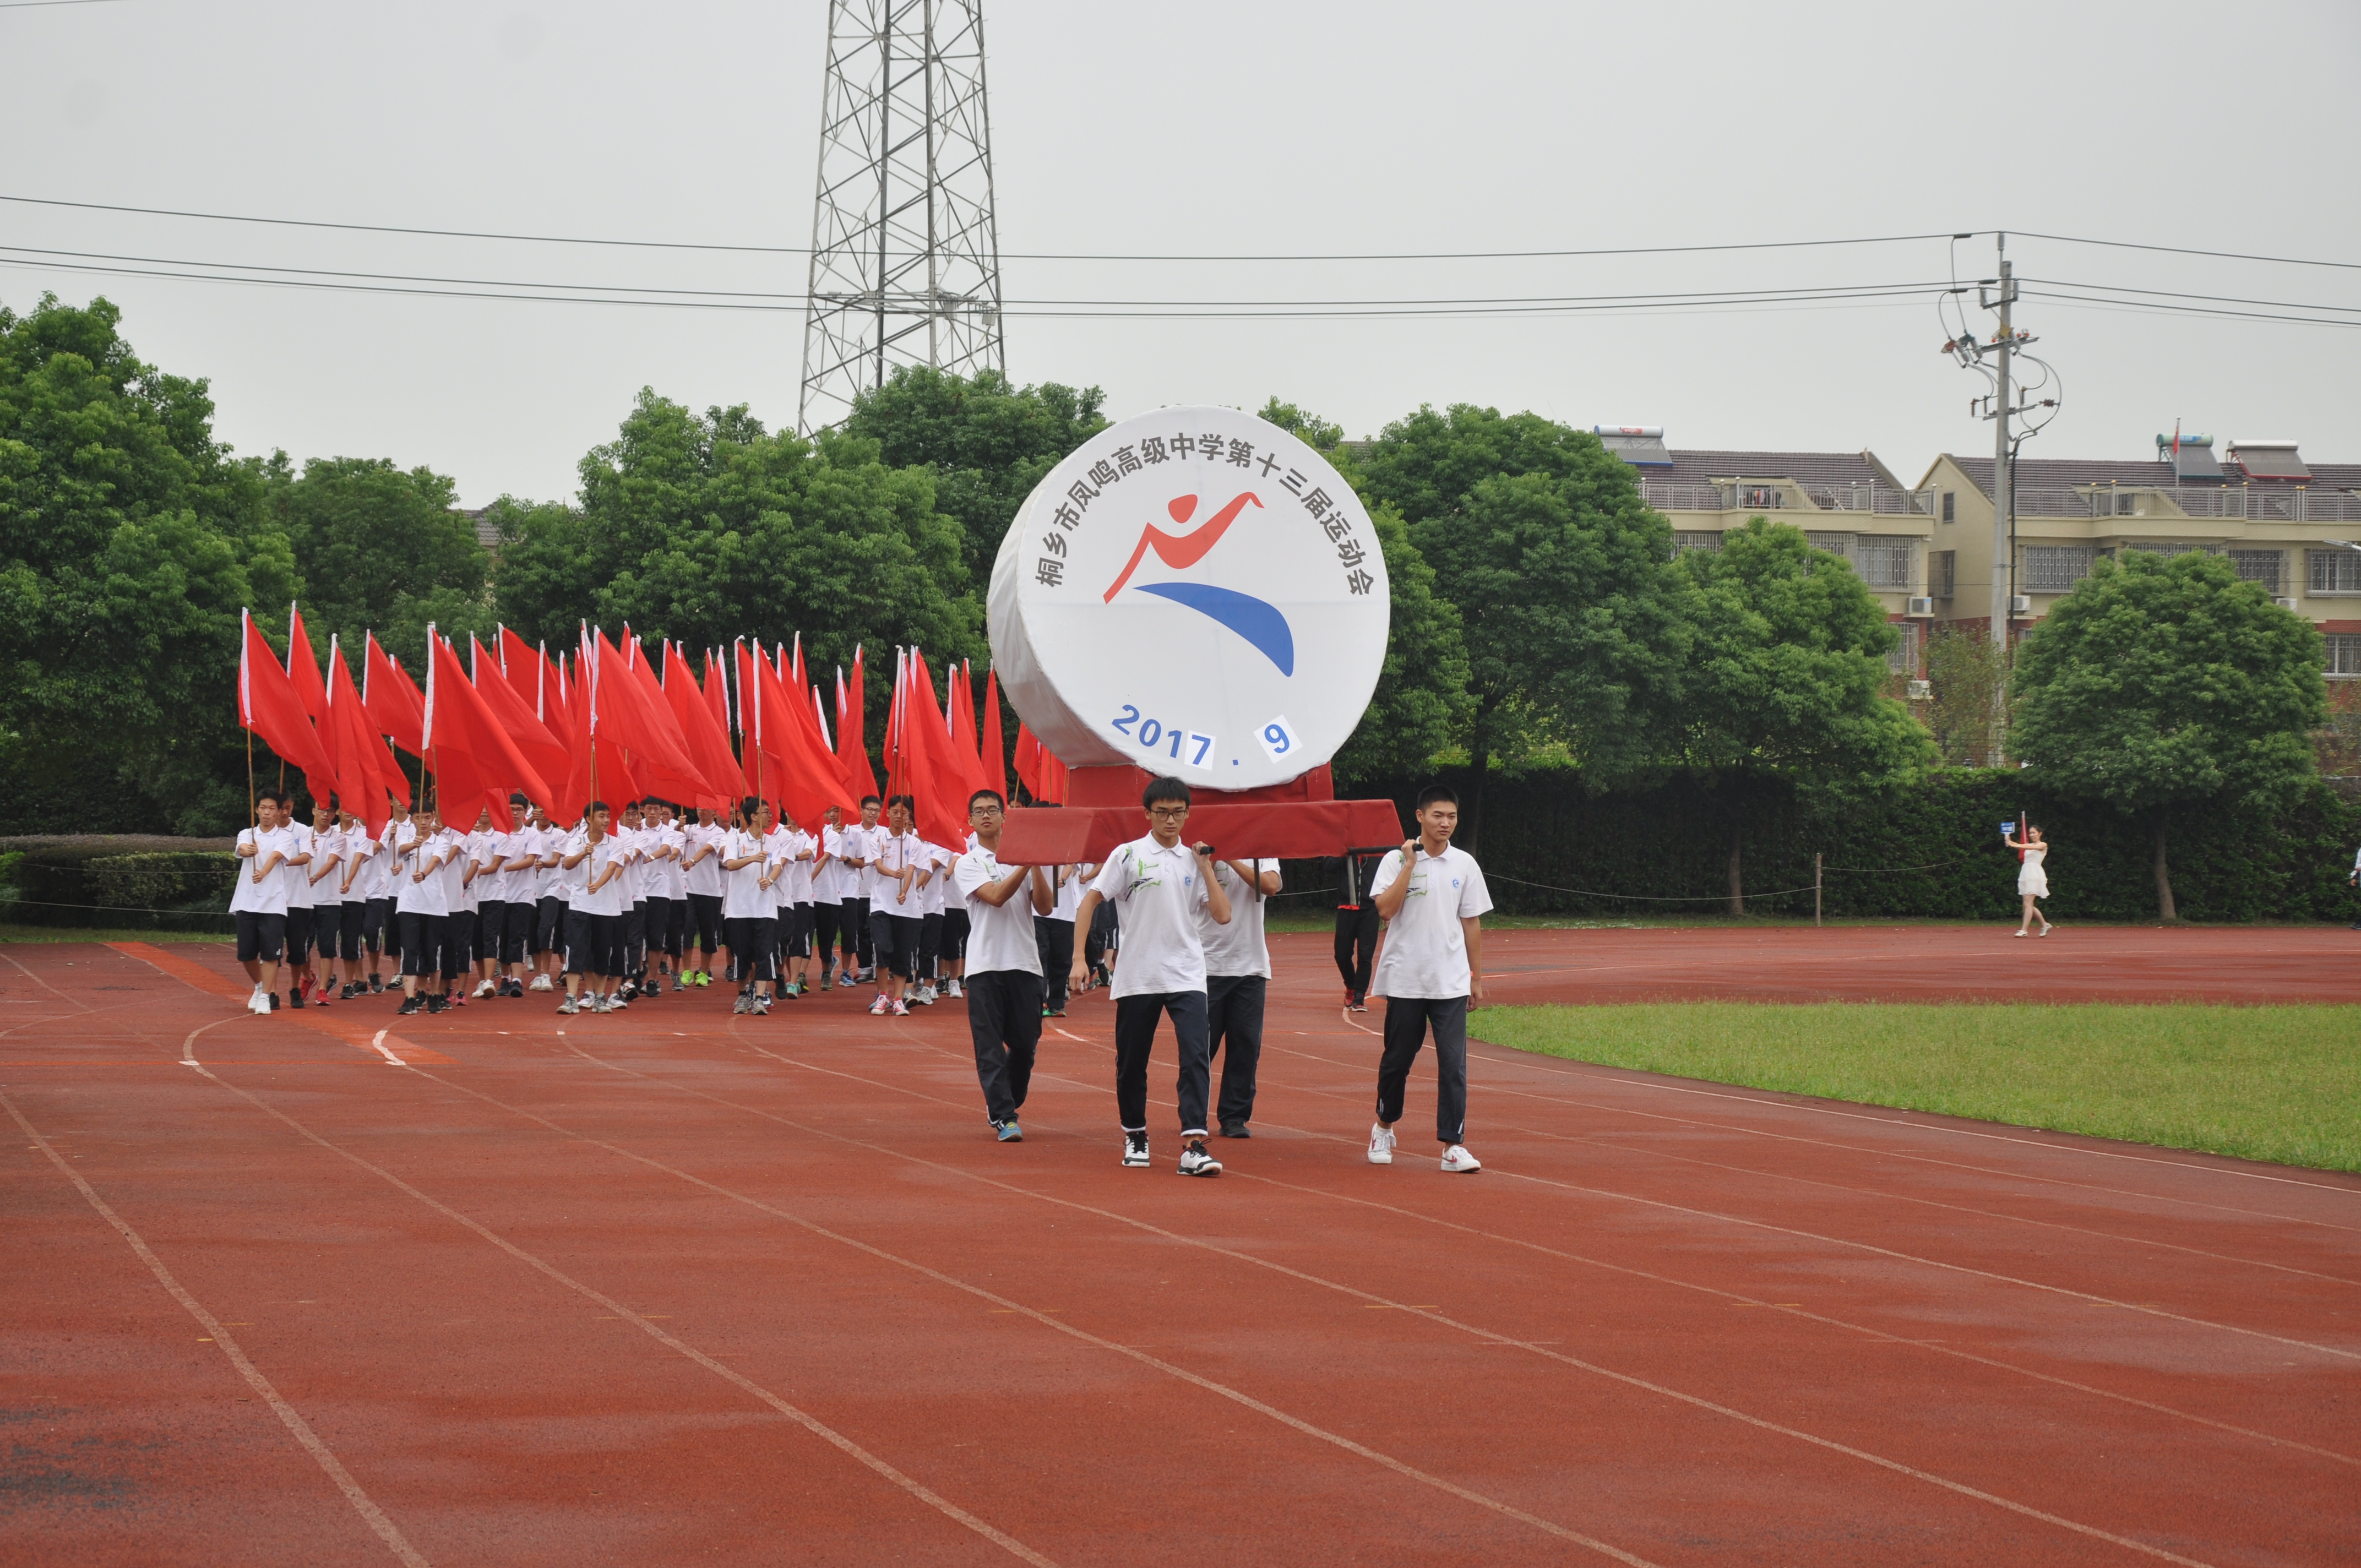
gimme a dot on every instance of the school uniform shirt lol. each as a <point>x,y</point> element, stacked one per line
<point>509,886</point>
<point>452,845</point>
<point>893,853</point>
<point>412,853</point>
<point>299,877</point>
<point>830,885</point>
<point>704,879</point>
<point>268,896</point>
<point>745,898</point>
<point>611,898</point>
<point>865,843</point>
<point>1237,947</point>
<point>797,878</point>
<point>1069,893</point>
<point>573,879</point>
<point>1425,954</point>
<point>673,839</point>
<point>936,862</point>
<point>328,866</point>
<point>954,895</point>
<point>998,939</point>
<point>1157,893</point>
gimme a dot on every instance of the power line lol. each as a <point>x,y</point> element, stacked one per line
<point>1005,255</point>
<point>2160,308</point>
<point>2176,294</point>
<point>2184,250</point>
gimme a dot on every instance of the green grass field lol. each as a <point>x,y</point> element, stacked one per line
<point>2270,1083</point>
<point>103,934</point>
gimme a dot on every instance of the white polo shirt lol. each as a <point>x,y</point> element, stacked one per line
<point>1071,888</point>
<point>998,939</point>
<point>1425,953</point>
<point>1157,893</point>
<point>829,885</point>
<point>673,840</point>
<point>412,854</point>
<point>571,879</point>
<point>268,896</point>
<point>746,897</point>
<point>299,877</point>
<point>891,854</point>
<point>615,897</point>
<point>1237,947</point>
<point>328,858</point>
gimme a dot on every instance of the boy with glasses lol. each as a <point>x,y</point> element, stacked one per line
<point>1159,885</point>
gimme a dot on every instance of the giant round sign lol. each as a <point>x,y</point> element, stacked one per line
<point>1195,591</point>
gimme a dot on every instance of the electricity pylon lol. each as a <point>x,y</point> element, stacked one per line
<point>905,255</point>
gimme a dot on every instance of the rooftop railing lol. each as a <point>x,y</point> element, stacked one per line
<point>1877,499</point>
<point>2260,503</point>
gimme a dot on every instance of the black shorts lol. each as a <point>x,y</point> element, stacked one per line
<point>492,927</point>
<point>327,923</point>
<point>549,924</point>
<point>375,914</point>
<point>261,938</point>
<point>954,944</point>
<point>753,948</point>
<point>299,935</point>
<point>459,943</point>
<point>631,934</point>
<point>795,934</point>
<point>591,943</point>
<point>705,918</point>
<point>895,938</point>
<point>676,924</point>
<point>350,916</point>
<point>423,937</point>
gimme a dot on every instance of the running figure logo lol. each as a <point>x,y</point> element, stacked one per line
<point>1257,620</point>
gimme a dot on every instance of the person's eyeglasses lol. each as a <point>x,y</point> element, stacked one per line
<point>1168,813</point>
<point>985,810</point>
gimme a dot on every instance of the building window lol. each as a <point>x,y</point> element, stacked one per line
<point>2170,551</point>
<point>1839,545</point>
<point>1950,507</point>
<point>2262,566</point>
<point>1702,539</point>
<point>1884,561</point>
<point>2344,653</point>
<point>2054,568</point>
<point>1944,568</point>
<point>2334,571</point>
<point>1904,660</point>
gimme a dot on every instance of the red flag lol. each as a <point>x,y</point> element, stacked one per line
<point>475,764</point>
<point>304,670</point>
<point>717,692</point>
<point>632,713</point>
<point>889,750</point>
<point>268,706</point>
<point>597,768</point>
<point>392,699</point>
<point>852,731</point>
<point>366,770</point>
<point>709,743</point>
<point>751,774</point>
<point>960,698</point>
<point>1029,759</point>
<point>939,775</point>
<point>994,755</point>
<point>797,775</point>
<point>536,741</point>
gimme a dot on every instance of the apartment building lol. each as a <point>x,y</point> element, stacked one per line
<point>1847,503</point>
<point>2292,525</point>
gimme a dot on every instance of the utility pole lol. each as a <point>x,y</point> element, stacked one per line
<point>905,247</point>
<point>2003,574</point>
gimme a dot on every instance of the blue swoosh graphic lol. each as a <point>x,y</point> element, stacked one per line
<point>1257,621</point>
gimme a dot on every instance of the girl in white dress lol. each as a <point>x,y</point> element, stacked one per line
<point>2032,881</point>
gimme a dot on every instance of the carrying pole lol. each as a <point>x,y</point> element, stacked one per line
<point>1815,892</point>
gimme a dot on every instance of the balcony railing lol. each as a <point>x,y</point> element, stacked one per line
<point>1666,495</point>
<point>2257,502</point>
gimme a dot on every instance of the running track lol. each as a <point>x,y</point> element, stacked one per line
<point>674,1287</point>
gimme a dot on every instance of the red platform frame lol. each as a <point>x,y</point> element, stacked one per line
<point>1293,821</point>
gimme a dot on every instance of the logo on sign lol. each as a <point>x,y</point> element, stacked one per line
<point>1259,621</point>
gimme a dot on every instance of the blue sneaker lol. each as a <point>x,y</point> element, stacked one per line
<point>1010,1133</point>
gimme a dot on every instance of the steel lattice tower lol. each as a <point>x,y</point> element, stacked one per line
<point>905,255</point>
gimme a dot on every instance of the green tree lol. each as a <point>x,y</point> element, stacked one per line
<point>2161,685</point>
<point>1420,702</point>
<point>1538,535</point>
<point>129,539</point>
<point>1967,674</point>
<point>706,528</point>
<point>1784,685</point>
<point>988,443</point>
<point>379,548</point>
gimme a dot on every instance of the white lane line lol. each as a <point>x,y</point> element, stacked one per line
<point>1535,1348</point>
<point>817,1428</point>
<point>376,1044</point>
<point>288,1414</point>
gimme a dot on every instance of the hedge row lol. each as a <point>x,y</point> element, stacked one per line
<point>117,880</point>
<point>1929,852</point>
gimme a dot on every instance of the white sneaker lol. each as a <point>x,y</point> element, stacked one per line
<point>951,989</point>
<point>259,1001</point>
<point>487,989</point>
<point>1381,1145</point>
<point>1134,1148</point>
<point>541,982</point>
<point>1456,1158</point>
<point>926,997</point>
<point>881,1006</point>
<point>1196,1161</point>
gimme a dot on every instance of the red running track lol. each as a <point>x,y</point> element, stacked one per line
<point>673,1286</point>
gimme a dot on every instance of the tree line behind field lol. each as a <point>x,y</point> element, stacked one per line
<point>1543,622</point>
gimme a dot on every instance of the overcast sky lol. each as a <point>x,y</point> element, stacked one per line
<point>1230,127</point>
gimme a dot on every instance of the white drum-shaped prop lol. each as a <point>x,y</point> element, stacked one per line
<point>1197,592</point>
